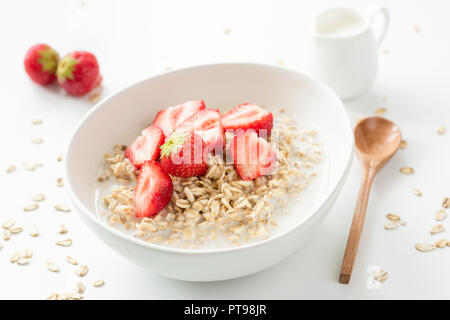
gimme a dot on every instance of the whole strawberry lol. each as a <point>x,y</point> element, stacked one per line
<point>182,155</point>
<point>40,63</point>
<point>78,73</point>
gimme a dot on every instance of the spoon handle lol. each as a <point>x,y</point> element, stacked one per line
<point>357,226</point>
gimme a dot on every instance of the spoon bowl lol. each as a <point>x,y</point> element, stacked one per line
<point>377,137</point>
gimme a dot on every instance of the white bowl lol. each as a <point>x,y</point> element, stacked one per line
<point>119,118</point>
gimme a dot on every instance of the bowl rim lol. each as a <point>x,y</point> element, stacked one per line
<point>82,209</point>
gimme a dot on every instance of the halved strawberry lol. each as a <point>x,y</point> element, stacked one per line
<point>146,146</point>
<point>182,155</point>
<point>169,118</point>
<point>248,116</point>
<point>252,156</point>
<point>153,190</point>
<point>206,123</point>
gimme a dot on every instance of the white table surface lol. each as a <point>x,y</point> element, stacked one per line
<point>136,39</point>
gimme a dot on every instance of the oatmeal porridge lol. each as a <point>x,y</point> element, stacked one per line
<point>227,204</point>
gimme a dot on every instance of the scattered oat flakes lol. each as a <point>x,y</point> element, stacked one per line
<point>15,257</point>
<point>79,287</point>
<point>71,260</point>
<point>440,215</point>
<point>446,203</point>
<point>60,182</point>
<point>52,267</point>
<point>63,229</point>
<point>380,276</point>
<point>11,169</point>
<point>37,140</point>
<point>6,234</point>
<point>95,97</point>
<point>36,122</point>
<point>64,243</point>
<point>27,253</point>
<point>438,228</point>
<point>391,225</point>
<point>31,207</point>
<point>16,230</point>
<point>63,208</point>
<point>403,144</point>
<point>393,217</point>
<point>98,283</point>
<point>82,271</point>
<point>441,130</point>
<point>34,231</point>
<point>424,247</point>
<point>441,243</point>
<point>380,111</point>
<point>38,197</point>
<point>8,223</point>
<point>417,192</point>
<point>406,170</point>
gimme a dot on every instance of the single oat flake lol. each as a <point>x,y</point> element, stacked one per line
<point>16,230</point>
<point>37,140</point>
<point>403,144</point>
<point>36,122</point>
<point>380,111</point>
<point>64,243</point>
<point>8,223</point>
<point>6,235</point>
<point>38,197</point>
<point>62,208</point>
<point>440,215</point>
<point>446,203</point>
<point>424,247</point>
<point>441,243</point>
<point>27,253</point>
<point>417,192</point>
<point>60,182</point>
<point>34,231</point>
<point>441,130</point>
<point>79,287</point>
<point>393,217</point>
<point>380,276</point>
<point>31,207</point>
<point>391,225</point>
<point>15,257</point>
<point>63,229</point>
<point>52,267</point>
<point>59,158</point>
<point>98,283</point>
<point>11,169</point>
<point>71,260</point>
<point>82,271</point>
<point>406,170</point>
<point>438,228</point>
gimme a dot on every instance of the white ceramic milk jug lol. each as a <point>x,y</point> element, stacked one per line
<point>345,48</point>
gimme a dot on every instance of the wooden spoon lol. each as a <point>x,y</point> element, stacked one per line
<point>376,141</point>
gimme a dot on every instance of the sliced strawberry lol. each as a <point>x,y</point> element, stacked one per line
<point>252,156</point>
<point>182,155</point>
<point>248,116</point>
<point>169,118</point>
<point>146,146</point>
<point>153,190</point>
<point>206,123</point>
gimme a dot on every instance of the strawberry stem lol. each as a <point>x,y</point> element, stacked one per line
<point>173,142</point>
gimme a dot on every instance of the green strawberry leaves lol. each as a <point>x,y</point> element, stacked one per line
<point>65,69</point>
<point>171,145</point>
<point>48,60</point>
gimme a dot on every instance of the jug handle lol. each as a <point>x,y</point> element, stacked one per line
<point>375,11</point>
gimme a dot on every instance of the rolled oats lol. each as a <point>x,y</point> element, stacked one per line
<point>52,267</point>
<point>82,271</point>
<point>31,207</point>
<point>407,170</point>
<point>440,215</point>
<point>438,228</point>
<point>424,247</point>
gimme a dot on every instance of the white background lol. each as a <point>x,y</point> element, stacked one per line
<point>137,39</point>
